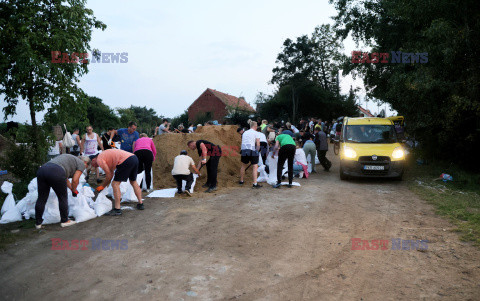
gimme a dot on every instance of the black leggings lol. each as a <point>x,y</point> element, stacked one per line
<point>212,170</point>
<point>264,151</point>
<point>286,152</point>
<point>145,160</point>
<point>52,176</point>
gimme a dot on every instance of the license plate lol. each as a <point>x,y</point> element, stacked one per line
<point>374,167</point>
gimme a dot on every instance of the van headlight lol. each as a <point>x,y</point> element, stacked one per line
<point>348,152</point>
<point>398,153</point>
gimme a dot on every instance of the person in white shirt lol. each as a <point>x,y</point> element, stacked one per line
<point>294,129</point>
<point>249,152</point>
<point>181,171</point>
<point>300,159</point>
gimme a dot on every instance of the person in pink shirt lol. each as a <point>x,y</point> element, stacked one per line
<point>125,166</point>
<point>145,150</point>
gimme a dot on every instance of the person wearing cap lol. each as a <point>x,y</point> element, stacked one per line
<point>206,148</point>
<point>125,165</point>
<point>181,171</point>
<point>54,175</point>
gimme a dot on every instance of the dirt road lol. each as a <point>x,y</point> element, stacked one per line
<point>244,244</point>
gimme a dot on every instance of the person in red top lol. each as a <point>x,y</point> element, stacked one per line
<point>125,165</point>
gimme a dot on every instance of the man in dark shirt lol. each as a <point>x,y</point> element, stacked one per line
<point>206,148</point>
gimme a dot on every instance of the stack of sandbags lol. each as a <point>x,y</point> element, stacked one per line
<point>10,212</point>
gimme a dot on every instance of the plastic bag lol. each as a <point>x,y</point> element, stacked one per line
<point>81,210</point>
<point>51,215</point>
<point>12,215</point>
<point>102,204</point>
<point>67,139</point>
<point>9,202</point>
<point>144,183</point>
<point>129,195</point>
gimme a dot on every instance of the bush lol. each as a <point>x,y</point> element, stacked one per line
<point>23,158</point>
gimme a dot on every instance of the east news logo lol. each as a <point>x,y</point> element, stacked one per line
<point>397,57</point>
<point>84,244</point>
<point>397,244</point>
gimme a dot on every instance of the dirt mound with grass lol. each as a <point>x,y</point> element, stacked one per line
<point>169,146</point>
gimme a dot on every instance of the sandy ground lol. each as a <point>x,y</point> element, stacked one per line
<point>244,244</point>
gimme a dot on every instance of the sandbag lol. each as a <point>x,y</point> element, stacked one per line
<point>12,215</point>
<point>102,204</point>
<point>9,202</point>
<point>51,215</point>
<point>129,195</point>
<point>263,177</point>
<point>81,210</point>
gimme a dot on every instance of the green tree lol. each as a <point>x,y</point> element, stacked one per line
<point>309,61</point>
<point>439,98</point>
<point>100,115</point>
<point>30,31</point>
<point>126,115</point>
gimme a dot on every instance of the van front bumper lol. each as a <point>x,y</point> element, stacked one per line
<point>391,169</point>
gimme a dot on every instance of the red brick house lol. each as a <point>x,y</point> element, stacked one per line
<point>217,105</point>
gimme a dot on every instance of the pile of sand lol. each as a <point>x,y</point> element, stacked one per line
<point>169,146</point>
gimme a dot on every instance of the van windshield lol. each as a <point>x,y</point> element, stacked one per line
<point>373,133</point>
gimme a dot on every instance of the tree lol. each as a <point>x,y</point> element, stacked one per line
<point>101,116</point>
<point>309,61</point>
<point>440,97</point>
<point>29,31</point>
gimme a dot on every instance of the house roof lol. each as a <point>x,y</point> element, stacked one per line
<point>232,101</point>
<point>365,112</point>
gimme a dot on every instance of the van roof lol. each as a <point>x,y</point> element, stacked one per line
<point>368,120</point>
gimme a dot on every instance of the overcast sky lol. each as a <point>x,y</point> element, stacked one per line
<point>177,49</point>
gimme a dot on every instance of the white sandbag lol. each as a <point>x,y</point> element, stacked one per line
<point>89,195</point>
<point>263,177</point>
<point>102,204</point>
<point>81,210</point>
<point>51,215</point>
<point>22,205</point>
<point>272,164</point>
<point>163,193</point>
<point>123,189</point>
<point>32,186</point>
<point>12,215</point>
<point>82,180</point>
<point>129,195</point>
<point>9,202</point>
<point>31,200</point>
<point>144,183</point>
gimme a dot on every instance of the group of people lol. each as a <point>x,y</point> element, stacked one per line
<point>135,155</point>
<point>291,144</point>
<point>137,152</point>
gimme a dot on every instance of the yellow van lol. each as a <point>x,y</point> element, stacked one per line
<point>369,147</point>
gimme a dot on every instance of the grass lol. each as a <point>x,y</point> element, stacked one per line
<point>10,233</point>
<point>459,200</point>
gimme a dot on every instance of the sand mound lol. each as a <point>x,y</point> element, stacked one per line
<point>169,146</point>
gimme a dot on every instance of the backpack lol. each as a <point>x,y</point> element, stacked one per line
<point>67,139</point>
